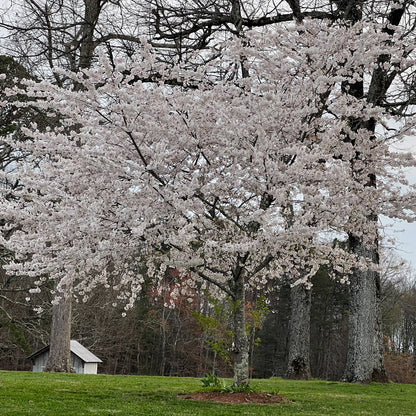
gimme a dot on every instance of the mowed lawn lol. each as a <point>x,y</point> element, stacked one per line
<point>42,394</point>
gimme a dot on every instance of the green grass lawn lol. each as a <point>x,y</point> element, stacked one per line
<point>43,394</point>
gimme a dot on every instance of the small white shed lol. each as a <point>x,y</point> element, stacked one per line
<point>83,360</point>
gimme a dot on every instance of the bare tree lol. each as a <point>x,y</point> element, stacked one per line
<point>50,34</point>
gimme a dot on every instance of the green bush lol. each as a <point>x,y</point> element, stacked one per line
<point>211,380</point>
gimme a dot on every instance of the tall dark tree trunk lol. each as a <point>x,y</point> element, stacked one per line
<point>59,353</point>
<point>299,334</point>
<point>87,45</point>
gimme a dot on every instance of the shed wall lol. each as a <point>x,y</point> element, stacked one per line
<point>40,362</point>
<point>90,368</point>
<point>77,364</point>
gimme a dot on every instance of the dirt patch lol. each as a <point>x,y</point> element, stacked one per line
<point>236,398</point>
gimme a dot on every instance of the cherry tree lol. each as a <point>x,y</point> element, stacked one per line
<point>46,34</point>
<point>191,25</point>
<point>237,180</point>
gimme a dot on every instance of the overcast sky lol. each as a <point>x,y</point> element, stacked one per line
<point>406,240</point>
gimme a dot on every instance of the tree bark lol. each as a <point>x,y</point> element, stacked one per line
<point>298,366</point>
<point>379,373</point>
<point>365,358</point>
<point>59,353</point>
<point>414,345</point>
<point>87,46</point>
<point>240,348</point>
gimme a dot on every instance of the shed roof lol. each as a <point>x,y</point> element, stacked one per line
<point>76,348</point>
<point>85,355</point>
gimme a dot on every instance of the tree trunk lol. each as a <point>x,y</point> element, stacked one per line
<point>365,358</point>
<point>240,346</point>
<point>414,345</point>
<point>298,366</point>
<point>163,325</point>
<point>379,370</point>
<point>87,46</point>
<point>59,352</point>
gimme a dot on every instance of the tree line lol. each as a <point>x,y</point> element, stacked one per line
<point>155,340</point>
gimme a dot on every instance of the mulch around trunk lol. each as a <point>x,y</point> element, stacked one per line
<point>236,398</point>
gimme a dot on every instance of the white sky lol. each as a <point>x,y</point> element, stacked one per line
<point>406,241</point>
<point>403,232</point>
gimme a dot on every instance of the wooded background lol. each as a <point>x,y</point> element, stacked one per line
<point>155,340</point>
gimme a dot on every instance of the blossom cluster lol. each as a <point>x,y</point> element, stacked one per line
<point>153,166</point>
